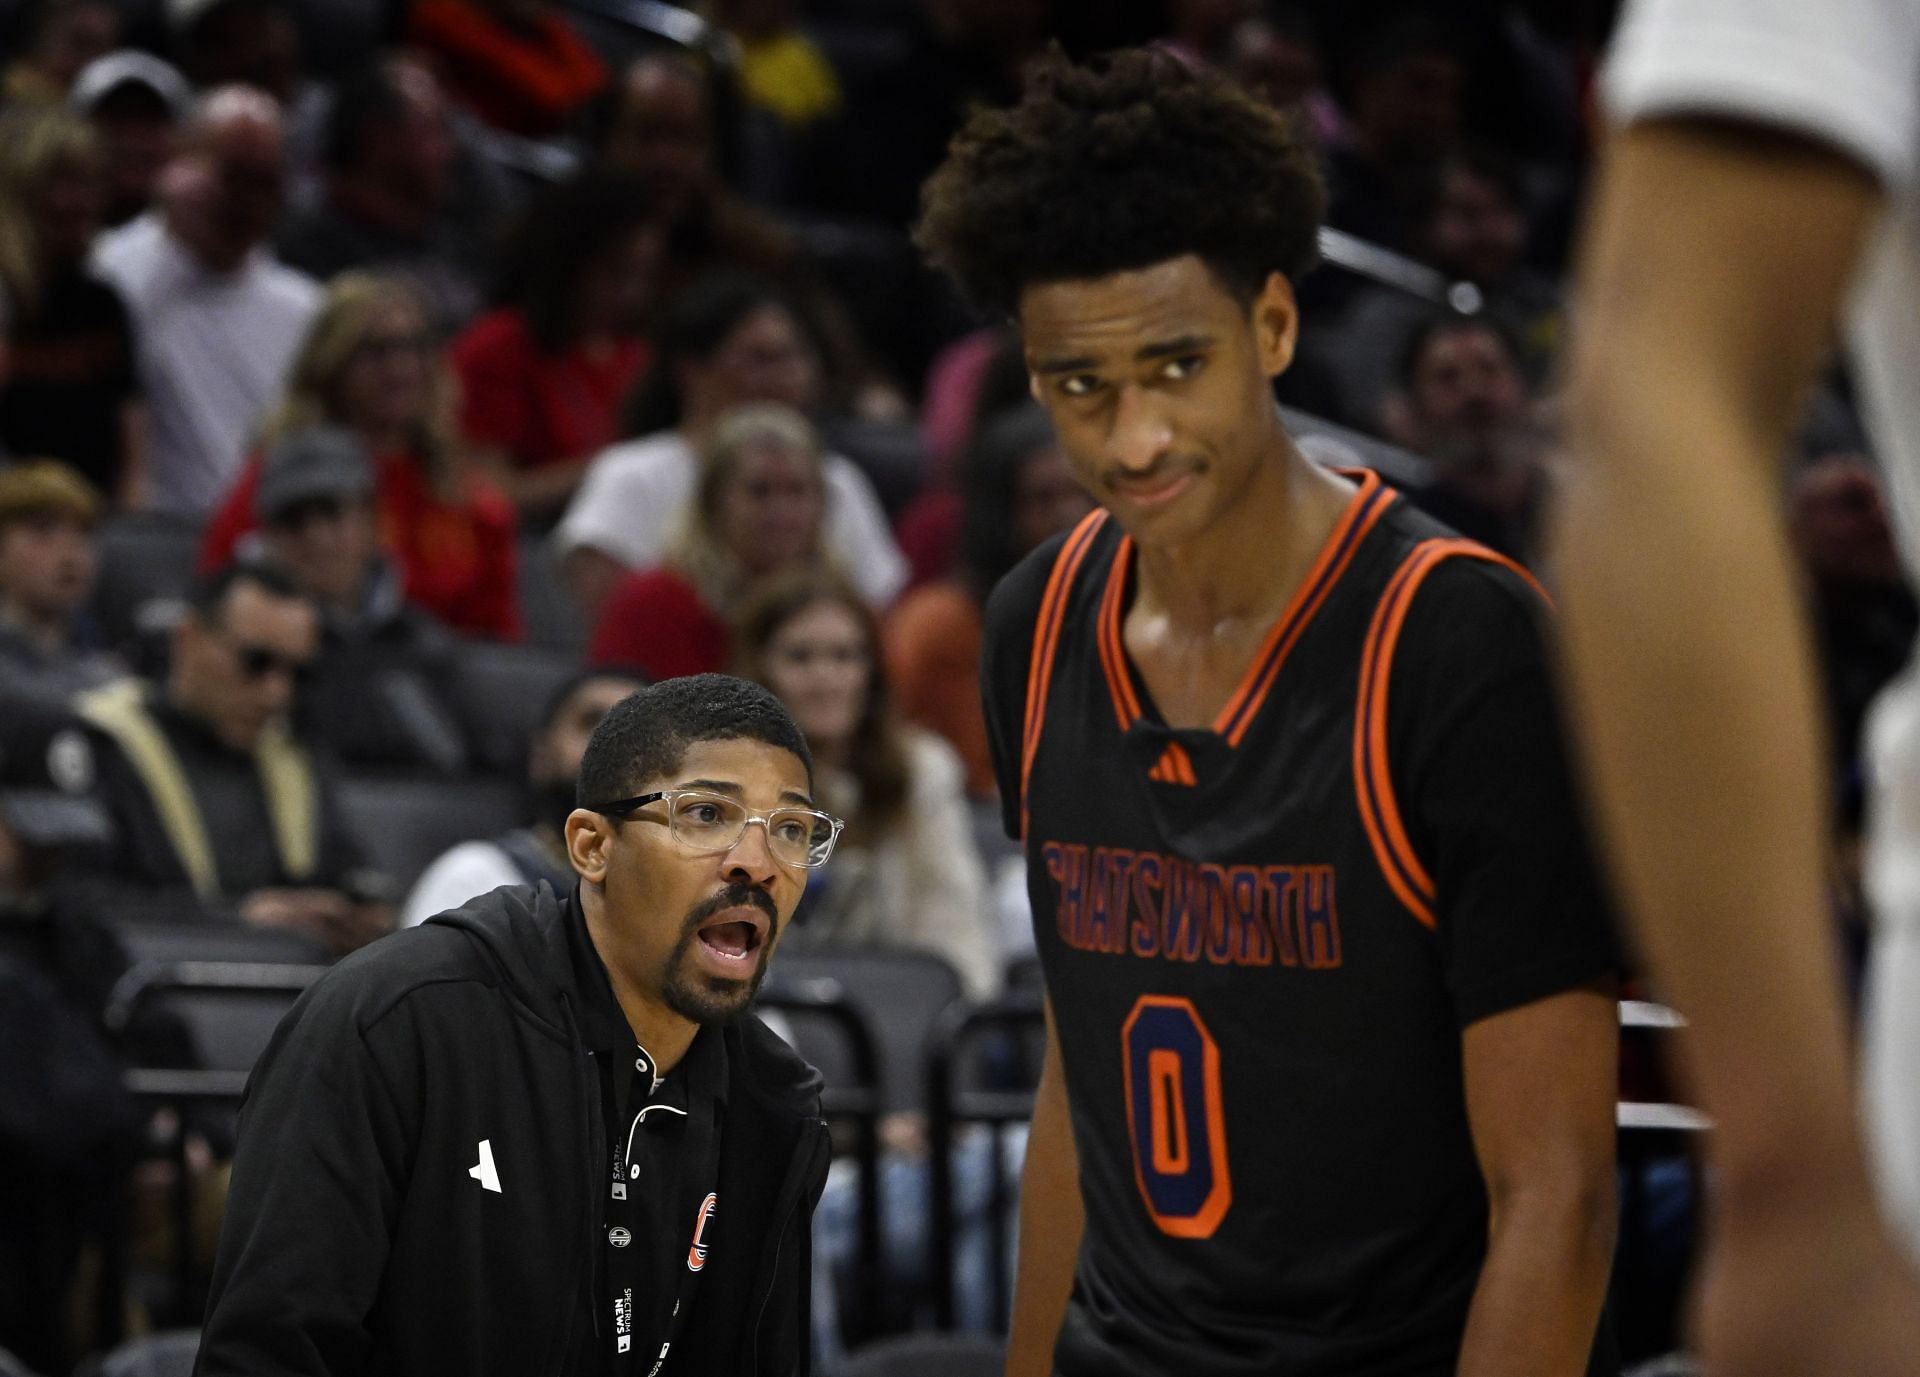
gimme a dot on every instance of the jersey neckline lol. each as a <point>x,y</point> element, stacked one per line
<point>1362,511</point>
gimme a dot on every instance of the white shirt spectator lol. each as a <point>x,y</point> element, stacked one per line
<point>465,872</point>
<point>636,495</point>
<point>1845,73</point>
<point>214,350</point>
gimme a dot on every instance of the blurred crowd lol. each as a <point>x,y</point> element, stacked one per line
<point>351,347</point>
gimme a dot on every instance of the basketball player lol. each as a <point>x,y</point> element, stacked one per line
<point>1330,1072</point>
<point>1763,179</point>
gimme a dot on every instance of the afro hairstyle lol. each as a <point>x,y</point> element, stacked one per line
<point>1128,161</point>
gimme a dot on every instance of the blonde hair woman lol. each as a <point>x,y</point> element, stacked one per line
<point>70,390</point>
<point>758,509</point>
<point>370,364</point>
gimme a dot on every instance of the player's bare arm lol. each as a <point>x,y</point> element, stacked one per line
<point>1717,264</point>
<point>1540,1083</point>
<point>1050,1223</point>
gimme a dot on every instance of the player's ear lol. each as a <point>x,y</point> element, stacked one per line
<point>1276,324</point>
<point>588,836</point>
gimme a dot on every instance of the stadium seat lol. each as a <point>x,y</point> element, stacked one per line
<point>502,689</point>
<point>901,994</point>
<point>146,568</point>
<point>928,1355</point>
<point>404,822</point>
<point>547,609</point>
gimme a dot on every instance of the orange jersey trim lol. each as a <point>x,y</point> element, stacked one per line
<point>1046,642</point>
<point>1406,875</point>
<point>1363,511</point>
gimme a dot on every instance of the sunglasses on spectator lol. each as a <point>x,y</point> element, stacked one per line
<point>258,661</point>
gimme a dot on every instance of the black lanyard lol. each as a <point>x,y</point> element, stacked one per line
<point>656,1206</point>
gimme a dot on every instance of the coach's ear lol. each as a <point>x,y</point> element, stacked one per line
<point>1276,324</point>
<point>588,837</point>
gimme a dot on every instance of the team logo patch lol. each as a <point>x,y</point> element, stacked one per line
<point>619,1237</point>
<point>697,1254</point>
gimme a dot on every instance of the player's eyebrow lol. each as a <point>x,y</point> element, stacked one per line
<point>1147,353</point>
<point>1078,363</point>
<point>1173,348</point>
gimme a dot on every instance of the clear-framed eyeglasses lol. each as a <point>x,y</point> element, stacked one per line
<point>707,824</point>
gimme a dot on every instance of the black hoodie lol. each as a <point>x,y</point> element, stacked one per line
<point>362,1234</point>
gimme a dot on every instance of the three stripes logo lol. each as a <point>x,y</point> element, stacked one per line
<point>697,1254</point>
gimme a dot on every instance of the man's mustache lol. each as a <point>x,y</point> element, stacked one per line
<point>733,896</point>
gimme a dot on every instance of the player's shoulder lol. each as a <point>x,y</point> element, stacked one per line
<point>1451,601</point>
<point>1013,608</point>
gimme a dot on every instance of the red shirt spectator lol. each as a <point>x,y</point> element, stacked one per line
<point>541,408</point>
<point>457,559</point>
<point>656,621</point>
<point>527,74</point>
<point>543,378</point>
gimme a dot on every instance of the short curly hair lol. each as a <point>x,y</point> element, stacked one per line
<point>1128,161</point>
<point>646,734</point>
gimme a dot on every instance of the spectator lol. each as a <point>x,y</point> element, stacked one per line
<point>1274,55</point>
<point>518,64</point>
<point>1473,226</point>
<point>1403,97</point>
<point>396,195</point>
<point>382,688</point>
<point>47,566</point>
<point>726,342</point>
<point>369,364</point>
<point>1864,611</point>
<point>71,390</point>
<point>535,854</point>
<point>57,39</point>
<point>658,124</point>
<point>756,513</point>
<point>543,377</point>
<point>906,873</point>
<point>1019,491</point>
<point>239,42</point>
<point>1463,404</point>
<point>135,103</point>
<point>217,320</point>
<point>220,810</point>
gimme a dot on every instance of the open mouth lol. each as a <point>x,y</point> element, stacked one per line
<point>735,936</point>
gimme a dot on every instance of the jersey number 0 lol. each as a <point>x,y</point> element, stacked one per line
<point>1174,1116</point>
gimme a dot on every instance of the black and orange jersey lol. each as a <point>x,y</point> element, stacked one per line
<point>1262,940</point>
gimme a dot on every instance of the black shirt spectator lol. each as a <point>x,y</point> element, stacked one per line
<point>70,377</point>
<point>221,810</point>
<point>399,195</point>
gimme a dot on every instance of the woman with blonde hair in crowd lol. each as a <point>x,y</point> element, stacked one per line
<point>907,872</point>
<point>71,391</point>
<point>758,509</point>
<point>370,364</point>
